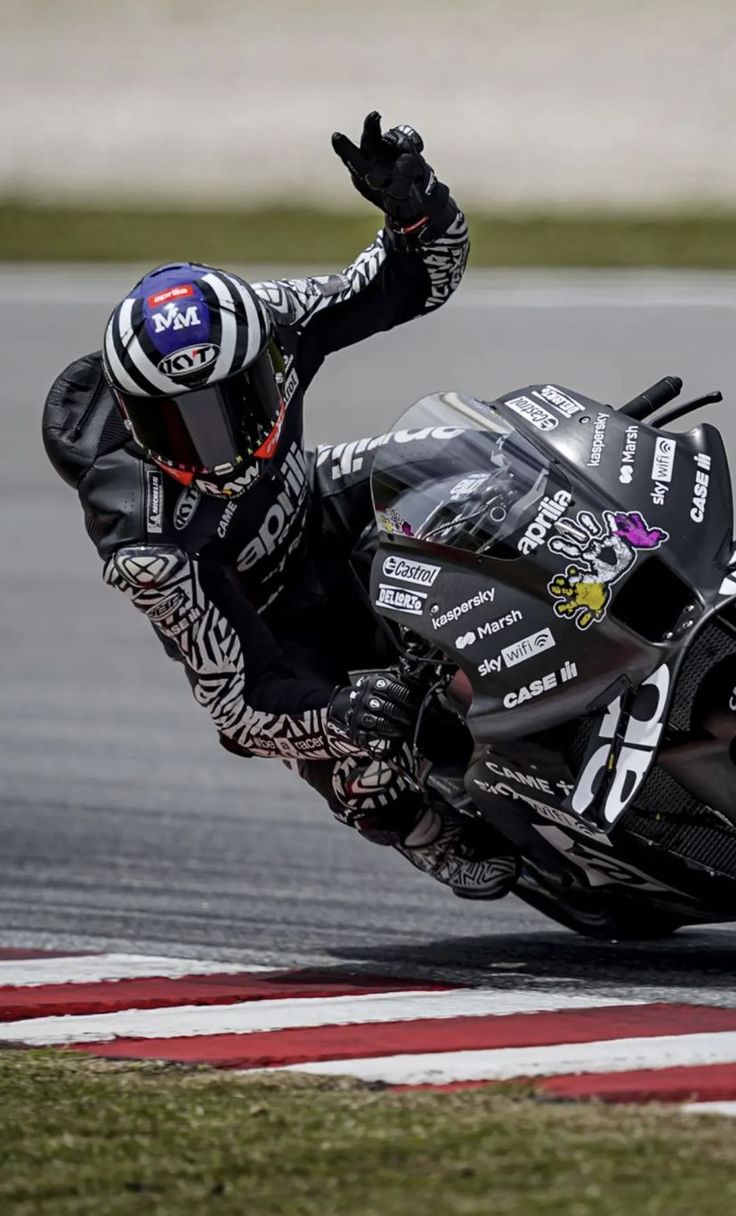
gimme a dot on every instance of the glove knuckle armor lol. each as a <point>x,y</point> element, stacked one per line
<point>144,566</point>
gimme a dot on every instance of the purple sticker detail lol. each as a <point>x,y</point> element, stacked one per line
<point>175,311</point>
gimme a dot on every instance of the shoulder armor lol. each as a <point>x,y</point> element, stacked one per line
<point>80,420</point>
<point>113,497</point>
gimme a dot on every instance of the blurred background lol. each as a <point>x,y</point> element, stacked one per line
<point>588,131</point>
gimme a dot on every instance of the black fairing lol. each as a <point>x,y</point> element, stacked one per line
<point>567,551</point>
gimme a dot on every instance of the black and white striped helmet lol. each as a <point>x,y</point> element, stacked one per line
<point>191,358</point>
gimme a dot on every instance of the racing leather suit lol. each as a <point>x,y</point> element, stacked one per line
<point>254,594</point>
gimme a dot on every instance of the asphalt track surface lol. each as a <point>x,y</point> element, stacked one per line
<point>125,826</point>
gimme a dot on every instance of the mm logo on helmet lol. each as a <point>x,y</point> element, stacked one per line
<point>189,359</point>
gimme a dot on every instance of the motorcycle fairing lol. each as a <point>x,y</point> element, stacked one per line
<point>505,587</point>
<point>556,840</point>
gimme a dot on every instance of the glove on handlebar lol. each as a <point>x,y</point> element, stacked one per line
<point>378,713</point>
<point>390,171</point>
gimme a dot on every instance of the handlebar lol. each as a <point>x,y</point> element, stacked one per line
<point>653,398</point>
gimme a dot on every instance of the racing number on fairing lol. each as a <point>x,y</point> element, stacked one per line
<point>637,749</point>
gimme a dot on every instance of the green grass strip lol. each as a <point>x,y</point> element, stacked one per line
<point>82,1137</point>
<point>309,237</point>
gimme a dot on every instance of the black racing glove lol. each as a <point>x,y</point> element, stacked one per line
<point>390,171</point>
<point>378,713</point>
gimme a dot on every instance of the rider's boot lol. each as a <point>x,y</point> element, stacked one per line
<point>469,857</point>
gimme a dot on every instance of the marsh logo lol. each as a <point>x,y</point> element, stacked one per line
<point>189,359</point>
<point>465,639</point>
<point>628,455</point>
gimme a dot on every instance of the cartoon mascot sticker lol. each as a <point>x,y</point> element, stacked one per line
<point>601,554</point>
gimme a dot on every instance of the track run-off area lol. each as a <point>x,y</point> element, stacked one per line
<point>128,834</point>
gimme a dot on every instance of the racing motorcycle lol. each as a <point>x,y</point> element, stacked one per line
<point>560,577</point>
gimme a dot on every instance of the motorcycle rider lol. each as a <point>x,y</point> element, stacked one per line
<point>183,438</point>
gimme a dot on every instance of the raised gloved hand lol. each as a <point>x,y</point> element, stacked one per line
<point>390,171</point>
<point>378,713</point>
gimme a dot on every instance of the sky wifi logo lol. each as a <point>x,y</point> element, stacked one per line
<point>519,652</point>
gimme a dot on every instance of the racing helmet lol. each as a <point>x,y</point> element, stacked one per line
<point>193,363</point>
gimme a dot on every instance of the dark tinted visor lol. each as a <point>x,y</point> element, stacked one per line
<point>206,428</point>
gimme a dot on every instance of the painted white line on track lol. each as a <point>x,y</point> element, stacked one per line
<point>80,284</point>
<point>88,968</point>
<point>475,299</point>
<point>246,1017</point>
<point>479,299</point>
<point>710,1108</point>
<point>503,1064</point>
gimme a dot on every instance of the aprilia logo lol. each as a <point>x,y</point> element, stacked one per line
<point>171,293</point>
<point>282,515</point>
<point>347,458</point>
<point>550,510</point>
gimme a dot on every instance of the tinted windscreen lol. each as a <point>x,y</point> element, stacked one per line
<point>454,473</point>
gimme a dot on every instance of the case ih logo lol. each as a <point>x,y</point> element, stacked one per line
<point>172,293</point>
<point>189,359</point>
